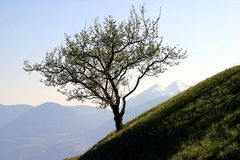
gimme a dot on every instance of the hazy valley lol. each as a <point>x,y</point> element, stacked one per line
<point>52,131</point>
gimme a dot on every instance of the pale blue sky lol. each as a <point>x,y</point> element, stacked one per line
<point>209,29</point>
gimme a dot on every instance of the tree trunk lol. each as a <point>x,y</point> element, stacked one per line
<point>118,122</point>
<point>117,117</point>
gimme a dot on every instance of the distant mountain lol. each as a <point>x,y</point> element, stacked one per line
<point>156,92</point>
<point>53,131</point>
<point>49,131</point>
<point>90,112</point>
<point>147,95</point>
<point>49,117</point>
<point>10,112</point>
<point>174,88</point>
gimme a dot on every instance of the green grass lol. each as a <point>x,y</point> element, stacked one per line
<point>200,123</point>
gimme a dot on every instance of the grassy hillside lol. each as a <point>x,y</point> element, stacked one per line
<point>200,123</point>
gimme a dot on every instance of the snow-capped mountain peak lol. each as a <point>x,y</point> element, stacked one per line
<point>157,91</point>
<point>175,88</point>
<point>154,89</point>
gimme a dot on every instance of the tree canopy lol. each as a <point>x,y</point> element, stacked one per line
<point>98,62</point>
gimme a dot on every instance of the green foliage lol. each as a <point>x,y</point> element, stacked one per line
<point>200,123</point>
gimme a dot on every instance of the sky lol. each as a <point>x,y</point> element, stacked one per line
<point>208,30</point>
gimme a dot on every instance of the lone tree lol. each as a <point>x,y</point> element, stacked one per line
<point>98,63</point>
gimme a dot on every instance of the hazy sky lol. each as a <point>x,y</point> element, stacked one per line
<point>208,29</point>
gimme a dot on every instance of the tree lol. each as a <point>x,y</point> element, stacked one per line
<point>98,63</point>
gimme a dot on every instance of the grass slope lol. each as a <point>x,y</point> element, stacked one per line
<point>200,123</point>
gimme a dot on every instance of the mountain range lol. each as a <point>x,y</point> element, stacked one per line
<point>53,131</point>
<point>10,112</point>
